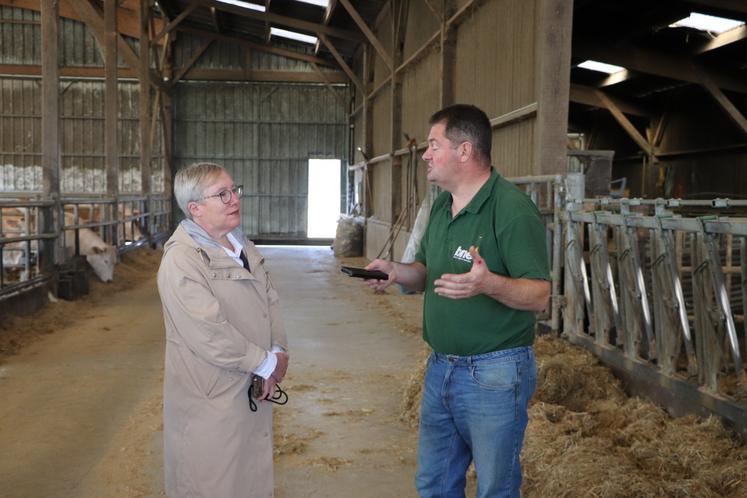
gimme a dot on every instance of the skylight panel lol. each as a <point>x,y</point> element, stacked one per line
<point>601,67</point>
<point>320,3</point>
<point>246,5</point>
<point>293,35</point>
<point>704,22</point>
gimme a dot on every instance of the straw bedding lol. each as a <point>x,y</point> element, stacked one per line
<point>586,438</point>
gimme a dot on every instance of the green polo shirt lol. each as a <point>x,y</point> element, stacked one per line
<point>508,229</point>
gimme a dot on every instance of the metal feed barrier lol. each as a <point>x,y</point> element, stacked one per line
<point>657,289</point>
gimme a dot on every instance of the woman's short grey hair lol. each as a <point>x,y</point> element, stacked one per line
<point>190,183</point>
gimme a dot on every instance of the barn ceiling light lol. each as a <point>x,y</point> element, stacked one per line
<point>712,24</point>
<point>320,3</point>
<point>293,35</point>
<point>246,5</point>
<point>601,67</point>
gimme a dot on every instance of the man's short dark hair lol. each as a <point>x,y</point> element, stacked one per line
<point>466,123</point>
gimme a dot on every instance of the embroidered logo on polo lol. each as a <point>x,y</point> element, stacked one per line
<point>462,255</point>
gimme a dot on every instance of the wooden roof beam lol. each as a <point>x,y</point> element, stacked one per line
<point>255,46</point>
<point>615,78</point>
<point>127,17</point>
<point>666,65</point>
<point>290,22</point>
<point>214,18</point>
<point>727,105</point>
<point>94,20</point>
<point>727,38</point>
<point>174,23</point>
<point>358,84</point>
<point>624,122</point>
<point>195,57</point>
<point>327,17</point>
<point>369,34</point>
<point>587,95</point>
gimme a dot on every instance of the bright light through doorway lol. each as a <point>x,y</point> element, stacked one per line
<point>324,198</point>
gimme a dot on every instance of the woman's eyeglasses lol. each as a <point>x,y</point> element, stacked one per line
<point>226,195</point>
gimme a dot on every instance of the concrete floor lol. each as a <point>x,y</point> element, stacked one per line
<point>81,408</point>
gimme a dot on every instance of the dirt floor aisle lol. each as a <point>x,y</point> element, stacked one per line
<point>81,403</point>
<point>351,353</point>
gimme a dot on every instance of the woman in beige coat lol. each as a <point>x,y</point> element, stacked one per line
<point>223,326</point>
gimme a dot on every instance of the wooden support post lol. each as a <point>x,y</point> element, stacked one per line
<point>50,159</point>
<point>553,59</point>
<point>367,145</point>
<point>448,56</point>
<point>111,113</point>
<point>145,105</point>
<point>399,15</point>
<point>111,100</point>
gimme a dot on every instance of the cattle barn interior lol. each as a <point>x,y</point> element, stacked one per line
<point>625,122</point>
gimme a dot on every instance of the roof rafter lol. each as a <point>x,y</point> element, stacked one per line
<point>256,46</point>
<point>290,22</point>
<point>726,38</point>
<point>582,94</point>
<point>660,64</point>
<point>343,64</point>
<point>369,34</point>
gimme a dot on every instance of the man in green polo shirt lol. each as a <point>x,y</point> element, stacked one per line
<point>483,266</point>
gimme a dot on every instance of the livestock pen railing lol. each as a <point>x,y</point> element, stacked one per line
<point>38,234</point>
<point>657,289</point>
<point>27,234</point>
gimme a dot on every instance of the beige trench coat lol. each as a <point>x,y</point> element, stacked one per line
<point>220,322</point>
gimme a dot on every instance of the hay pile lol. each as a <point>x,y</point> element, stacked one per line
<point>586,438</point>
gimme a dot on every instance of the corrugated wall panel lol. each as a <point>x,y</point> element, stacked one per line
<point>384,34</point>
<point>223,55</point>
<point>513,148</point>
<point>382,122</point>
<point>504,28</point>
<point>20,135</point>
<point>380,176</point>
<point>264,135</point>
<point>421,24</point>
<point>81,137</point>
<point>20,40</point>
<point>420,96</point>
<point>77,46</point>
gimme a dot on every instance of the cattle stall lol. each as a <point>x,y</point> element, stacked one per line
<point>40,240</point>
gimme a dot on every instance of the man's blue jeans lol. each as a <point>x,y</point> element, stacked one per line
<point>474,407</point>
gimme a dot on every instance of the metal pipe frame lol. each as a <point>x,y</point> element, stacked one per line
<point>153,219</point>
<point>653,261</point>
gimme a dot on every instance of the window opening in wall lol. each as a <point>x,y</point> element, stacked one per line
<point>324,198</point>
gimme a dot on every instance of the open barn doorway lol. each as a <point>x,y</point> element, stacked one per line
<point>324,198</point>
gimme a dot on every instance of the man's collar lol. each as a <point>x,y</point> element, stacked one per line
<point>482,195</point>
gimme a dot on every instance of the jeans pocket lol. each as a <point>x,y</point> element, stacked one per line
<point>496,375</point>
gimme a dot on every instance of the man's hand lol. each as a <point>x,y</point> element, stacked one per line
<point>464,285</point>
<point>385,266</point>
